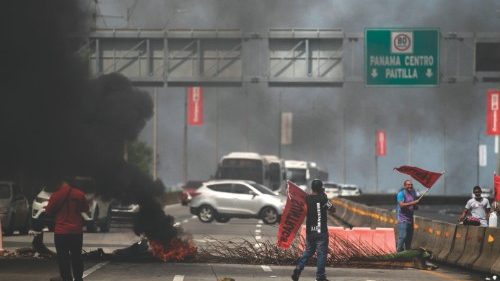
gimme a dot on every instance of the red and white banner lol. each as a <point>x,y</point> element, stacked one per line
<point>380,143</point>
<point>493,112</point>
<point>195,106</point>
<point>426,178</point>
<point>293,215</point>
<point>496,184</point>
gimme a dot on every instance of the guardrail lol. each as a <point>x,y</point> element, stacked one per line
<point>471,247</point>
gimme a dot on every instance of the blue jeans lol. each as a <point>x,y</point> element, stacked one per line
<point>315,242</point>
<point>405,235</point>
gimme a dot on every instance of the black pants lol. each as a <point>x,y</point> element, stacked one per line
<point>69,255</point>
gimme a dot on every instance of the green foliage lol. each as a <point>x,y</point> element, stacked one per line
<point>141,155</point>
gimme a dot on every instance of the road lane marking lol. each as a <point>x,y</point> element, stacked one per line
<point>258,237</point>
<point>258,226</point>
<point>177,224</point>
<point>94,269</point>
<point>260,222</point>
<point>184,221</point>
<point>178,277</point>
<point>257,231</point>
<point>258,245</point>
<point>266,268</point>
<point>193,217</point>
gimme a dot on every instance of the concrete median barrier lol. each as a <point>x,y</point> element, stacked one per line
<point>419,234</point>
<point>380,240</point>
<point>446,240</point>
<point>473,244</point>
<point>490,250</point>
<point>458,244</point>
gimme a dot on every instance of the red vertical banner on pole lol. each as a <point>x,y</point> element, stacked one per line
<point>195,106</point>
<point>380,143</point>
<point>496,185</point>
<point>493,112</point>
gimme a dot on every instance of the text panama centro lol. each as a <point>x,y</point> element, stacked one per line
<point>403,67</point>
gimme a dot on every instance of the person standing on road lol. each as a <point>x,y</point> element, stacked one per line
<point>316,231</point>
<point>406,204</point>
<point>478,207</point>
<point>66,205</point>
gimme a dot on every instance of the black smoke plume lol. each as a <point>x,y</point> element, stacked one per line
<point>55,121</point>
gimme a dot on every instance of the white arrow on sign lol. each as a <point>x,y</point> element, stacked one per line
<point>374,72</point>
<point>429,73</point>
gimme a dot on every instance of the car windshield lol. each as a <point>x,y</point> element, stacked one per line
<point>241,169</point>
<point>4,191</point>
<point>298,176</point>
<point>262,189</point>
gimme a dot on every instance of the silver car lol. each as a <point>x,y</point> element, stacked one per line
<point>14,208</point>
<point>349,190</point>
<point>225,199</point>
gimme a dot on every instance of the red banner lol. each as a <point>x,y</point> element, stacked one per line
<point>195,106</point>
<point>426,178</point>
<point>293,215</point>
<point>493,112</point>
<point>496,184</point>
<point>380,143</point>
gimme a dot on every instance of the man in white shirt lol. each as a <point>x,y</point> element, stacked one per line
<point>478,207</point>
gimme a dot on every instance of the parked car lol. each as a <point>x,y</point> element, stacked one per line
<point>349,190</point>
<point>188,190</point>
<point>14,208</point>
<point>99,214</point>
<point>331,189</point>
<point>225,199</point>
<point>123,212</point>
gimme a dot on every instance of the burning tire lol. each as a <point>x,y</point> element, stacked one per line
<point>269,215</point>
<point>222,219</point>
<point>206,214</point>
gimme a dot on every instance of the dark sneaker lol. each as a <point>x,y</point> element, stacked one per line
<point>296,275</point>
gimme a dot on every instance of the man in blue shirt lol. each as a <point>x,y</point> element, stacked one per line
<point>407,201</point>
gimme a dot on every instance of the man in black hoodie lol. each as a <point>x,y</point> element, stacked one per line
<point>316,231</point>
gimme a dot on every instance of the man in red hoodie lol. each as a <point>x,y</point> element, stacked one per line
<point>66,205</point>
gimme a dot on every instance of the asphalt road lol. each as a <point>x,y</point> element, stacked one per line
<point>28,269</point>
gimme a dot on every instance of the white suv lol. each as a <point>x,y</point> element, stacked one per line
<point>224,199</point>
<point>99,211</point>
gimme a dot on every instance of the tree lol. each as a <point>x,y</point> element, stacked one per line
<point>141,155</point>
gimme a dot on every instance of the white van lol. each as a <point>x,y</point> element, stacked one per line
<point>99,210</point>
<point>14,208</point>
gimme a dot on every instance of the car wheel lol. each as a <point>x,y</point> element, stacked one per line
<point>222,219</point>
<point>9,230</point>
<point>36,225</point>
<point>269,215</point>
<point>92,225</point>
<point>206,214</point>
<point>24,229</point>
<point>106,224</point>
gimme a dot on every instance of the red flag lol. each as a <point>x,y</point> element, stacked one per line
<point>426,178</point>
<point>496,184</point>
<point>293,215</point>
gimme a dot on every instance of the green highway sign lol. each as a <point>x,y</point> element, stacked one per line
<point>401,57</point>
